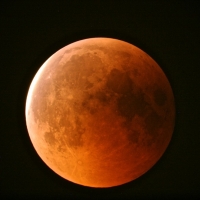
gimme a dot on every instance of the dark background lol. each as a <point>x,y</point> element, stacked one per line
<point>31,31</point>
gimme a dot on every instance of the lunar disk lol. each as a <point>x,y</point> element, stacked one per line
<point>100,112</point>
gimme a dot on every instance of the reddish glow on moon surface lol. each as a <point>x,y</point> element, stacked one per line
<point>100,112</point>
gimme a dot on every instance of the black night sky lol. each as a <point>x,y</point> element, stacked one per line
<point>31,31</point>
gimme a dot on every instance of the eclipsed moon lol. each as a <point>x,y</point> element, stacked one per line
<point>100,112</point>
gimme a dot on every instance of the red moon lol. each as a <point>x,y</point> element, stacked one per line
<point>100,112</point>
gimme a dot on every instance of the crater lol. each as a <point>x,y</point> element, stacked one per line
<point>79,162</point>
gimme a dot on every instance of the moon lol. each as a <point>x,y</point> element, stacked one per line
<point>100,112</point>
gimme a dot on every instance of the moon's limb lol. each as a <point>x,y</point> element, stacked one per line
<point>100,112</point>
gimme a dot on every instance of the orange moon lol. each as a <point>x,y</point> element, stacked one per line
<point>100,112</point>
